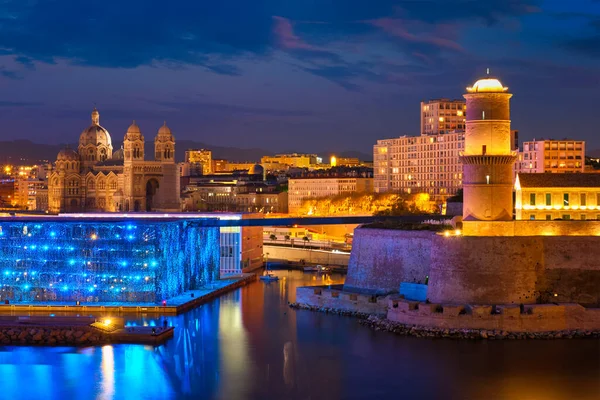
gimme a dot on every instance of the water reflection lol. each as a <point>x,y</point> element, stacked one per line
<point>250,345</point>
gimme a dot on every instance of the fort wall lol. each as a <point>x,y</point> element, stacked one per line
<point>383,258</point>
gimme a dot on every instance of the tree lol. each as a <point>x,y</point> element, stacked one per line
<point>273,236</point>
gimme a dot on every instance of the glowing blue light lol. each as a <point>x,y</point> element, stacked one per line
<point>71,248</point>
<point>118,236</point>
<point>137,278</point>
<point>153,263</point>
<point>33,272</point>
<point>71,262</point>
<point>85,275</point>
<point>130,227</point>
<point>65,288</point>
<point>32,247</point>
<point>1,233</point>
<point>130,237</point>
<point>46,247</point>
<point>91,289</point>
<point>26,287</point>
<point>52,234</point>
<point>123,263</point>
<point>6,272</point>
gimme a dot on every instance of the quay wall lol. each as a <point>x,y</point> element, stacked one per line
<point>509,318</point>
<point>383,258</point>
<point>325,297</point>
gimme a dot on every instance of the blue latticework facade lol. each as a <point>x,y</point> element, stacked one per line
<point>100,260</point>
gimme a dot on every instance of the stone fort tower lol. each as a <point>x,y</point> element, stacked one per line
<point>488,157</point>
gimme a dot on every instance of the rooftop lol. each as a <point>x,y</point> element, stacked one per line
<point>548,179</point>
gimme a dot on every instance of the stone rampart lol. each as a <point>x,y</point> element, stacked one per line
<point>336,298</point>
<point>532,318</point>
<point>514,270</point>
<point>383,258</point>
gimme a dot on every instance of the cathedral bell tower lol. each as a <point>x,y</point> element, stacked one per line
<point>488,158</point>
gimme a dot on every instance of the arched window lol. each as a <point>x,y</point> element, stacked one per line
<point>101,184</point>
<point>112,185</point>
<point>91,184</point>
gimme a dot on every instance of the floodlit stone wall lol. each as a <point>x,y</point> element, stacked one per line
<point>477,270</point>
<point>509,318</point>
<point>383,258</point>
<point>337,299</point>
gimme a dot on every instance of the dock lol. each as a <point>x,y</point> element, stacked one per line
<point>173,306</point>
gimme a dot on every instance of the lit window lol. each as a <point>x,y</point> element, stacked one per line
<point>548,199</point>
<point>583,217</point>
<point>566,217</point>
<point>548,217</point>
<point>582,199</point>
<point>532,217</point>
<point>566,199</point>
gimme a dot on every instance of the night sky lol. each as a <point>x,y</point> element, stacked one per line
<point>291,75</point>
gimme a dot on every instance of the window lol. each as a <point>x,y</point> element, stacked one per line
<point>582,199</point>
<point>532,199</point>
<point>548,217</point>
<point>583,217</point>
<point>548,199</point>
<point>532,217</point>
<point>566,199</point>
<point>566,217</point>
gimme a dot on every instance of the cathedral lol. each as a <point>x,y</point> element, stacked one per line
<point>93,178</point>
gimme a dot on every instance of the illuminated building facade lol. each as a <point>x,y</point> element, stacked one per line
<point>104,260</point>
<point>293,160</point>
<point>551,156</point>
<point>548,196</point>
<point>248,191</point>
<point>300,189</point>
<point>240,248</point>
<point>488,157</point>
<point>442,116</point>
<point>200,161</point>
<point>419,164</point>
<point>93,178</point>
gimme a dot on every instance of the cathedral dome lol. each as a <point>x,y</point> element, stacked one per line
<point>256,169</point>
<point>119,154</point>
<point>134,132</point>
<point>487,85</point>
<point>164,134</point>
<point>95,134</point>
<point>67,154</point>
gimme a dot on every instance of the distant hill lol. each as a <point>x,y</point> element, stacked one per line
<point>26,151</point>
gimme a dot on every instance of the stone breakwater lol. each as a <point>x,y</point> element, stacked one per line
<point>52,336</point>
<point>384,324</point>
<point>329,310</point>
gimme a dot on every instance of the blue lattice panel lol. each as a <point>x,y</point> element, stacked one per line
<point>56,259</point>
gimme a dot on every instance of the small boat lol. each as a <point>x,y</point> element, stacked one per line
<point>269,278</point>
<point>311,268</point>
<point>324,269</point>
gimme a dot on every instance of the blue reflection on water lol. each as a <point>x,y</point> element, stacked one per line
<point>249,345</point>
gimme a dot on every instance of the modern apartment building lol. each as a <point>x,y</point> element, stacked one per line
<point>300,189</point>
<point>419,164</point>
<point>551,156</point>
<point>442,116</point>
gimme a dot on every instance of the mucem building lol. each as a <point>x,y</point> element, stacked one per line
<point>46,259</point>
